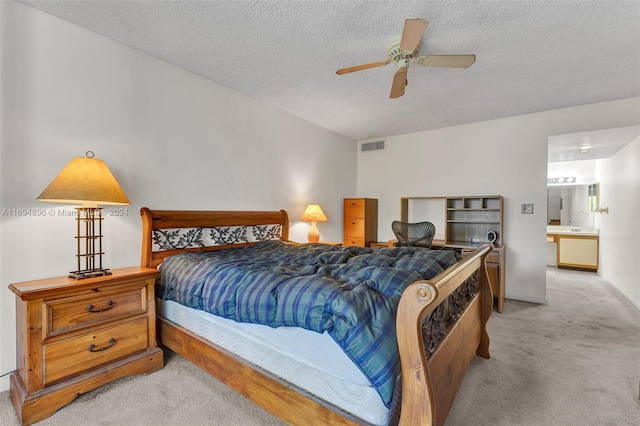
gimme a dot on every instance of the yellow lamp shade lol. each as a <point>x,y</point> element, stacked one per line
<point>313,213</point>
<point>86,181</point>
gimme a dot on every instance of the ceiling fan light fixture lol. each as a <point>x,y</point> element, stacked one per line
<point>404,48</point>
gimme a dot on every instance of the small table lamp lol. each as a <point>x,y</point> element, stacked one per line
<point>89,182</point>
<point>313,213</point>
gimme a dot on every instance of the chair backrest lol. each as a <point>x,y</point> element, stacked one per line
<point>419,234</point>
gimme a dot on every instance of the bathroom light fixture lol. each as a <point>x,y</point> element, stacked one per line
<point>584,149</point>
<point>561,180</point>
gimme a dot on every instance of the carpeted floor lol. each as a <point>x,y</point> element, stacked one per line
<point>574,361</point>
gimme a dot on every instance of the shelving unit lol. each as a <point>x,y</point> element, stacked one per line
<point>469,219</point>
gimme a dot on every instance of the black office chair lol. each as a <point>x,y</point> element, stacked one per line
<point>419,234</point>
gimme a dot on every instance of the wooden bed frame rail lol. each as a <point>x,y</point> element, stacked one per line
<point>429,385</point>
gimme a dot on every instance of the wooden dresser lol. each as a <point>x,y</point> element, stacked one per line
<point>360,221</point>
<point>495,270</point>
<point>76,335</point>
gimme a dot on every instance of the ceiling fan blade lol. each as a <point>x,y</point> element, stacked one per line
<point>449,61</point>
<point>412,33</point>
<point>399,83</point>
<point>361,67</point>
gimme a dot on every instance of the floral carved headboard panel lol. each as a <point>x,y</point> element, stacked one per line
<point>181,238</point>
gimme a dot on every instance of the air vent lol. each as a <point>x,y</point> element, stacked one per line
<point>372,146</point>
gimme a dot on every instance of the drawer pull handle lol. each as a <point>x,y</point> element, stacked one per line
<point>92,347</point>
<point>110,305</point>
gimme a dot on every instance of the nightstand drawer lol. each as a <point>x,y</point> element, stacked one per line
<point>70,313</point>
<point>359,242</point>
<point>353,227</point>
<point>379,244</point>
<point>82,353</point>
<point>354,208</point>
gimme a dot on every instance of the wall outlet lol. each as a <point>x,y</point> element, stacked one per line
<point>475,240</point>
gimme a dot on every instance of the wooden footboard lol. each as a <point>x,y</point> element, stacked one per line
<point>429,384</point>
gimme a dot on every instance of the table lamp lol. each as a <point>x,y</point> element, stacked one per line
<point>313,213</point>
<point>89,182</point>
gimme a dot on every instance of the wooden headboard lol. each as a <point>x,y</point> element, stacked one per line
<point>193,221</point>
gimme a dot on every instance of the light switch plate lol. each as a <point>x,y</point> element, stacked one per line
<point>526,208</point>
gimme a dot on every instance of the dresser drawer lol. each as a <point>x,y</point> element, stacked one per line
<point>354,208</point>
<point>82,353</point>
<point>62,315</point>
<point>359,242</point>
<point>493,272</point>
<point>493,257</point>
<point>354,228</point>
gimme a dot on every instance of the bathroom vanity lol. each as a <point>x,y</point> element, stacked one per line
<point>576,247</point>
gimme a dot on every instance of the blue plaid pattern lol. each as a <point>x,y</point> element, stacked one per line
<point>352,292</point>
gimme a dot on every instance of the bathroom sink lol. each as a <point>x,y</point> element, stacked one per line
<point>560,230</point>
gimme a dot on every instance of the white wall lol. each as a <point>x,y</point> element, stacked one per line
<point>171,138</point>
<point>583,170</point>
<point>506,157</point>
<point>619,178</point>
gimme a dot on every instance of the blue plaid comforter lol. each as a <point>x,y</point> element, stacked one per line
<point>351,292</point>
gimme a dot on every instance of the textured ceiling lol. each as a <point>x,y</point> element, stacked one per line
<point>531,55</point>
<point>599,144</point>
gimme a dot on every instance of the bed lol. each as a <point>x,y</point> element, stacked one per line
<point>311,371</point>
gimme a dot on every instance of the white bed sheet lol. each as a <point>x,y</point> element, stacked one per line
<point>309,360</point>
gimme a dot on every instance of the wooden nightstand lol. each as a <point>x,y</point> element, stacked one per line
<point>76,335</point>
<point>332,243</point>
<point>379,244</point>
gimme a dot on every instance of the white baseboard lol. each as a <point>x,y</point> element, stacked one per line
<point>539,301</point>
<point>621,292</point>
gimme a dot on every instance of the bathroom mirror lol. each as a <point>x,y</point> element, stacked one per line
<point>594,195</point>
<point>567,205</point>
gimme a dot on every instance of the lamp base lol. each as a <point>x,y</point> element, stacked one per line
<point>89,273</point>
<point>314,235</point>
<point>89,240</point>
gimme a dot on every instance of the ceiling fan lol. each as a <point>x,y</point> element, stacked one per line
<point>403,49</point>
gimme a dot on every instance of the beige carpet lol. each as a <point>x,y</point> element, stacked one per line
<point>574,361</point>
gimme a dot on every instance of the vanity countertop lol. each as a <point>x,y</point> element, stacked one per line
<point>572,230</point>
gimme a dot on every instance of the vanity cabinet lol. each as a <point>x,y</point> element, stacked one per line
<point>575,247</point>
<point>578,252</point>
